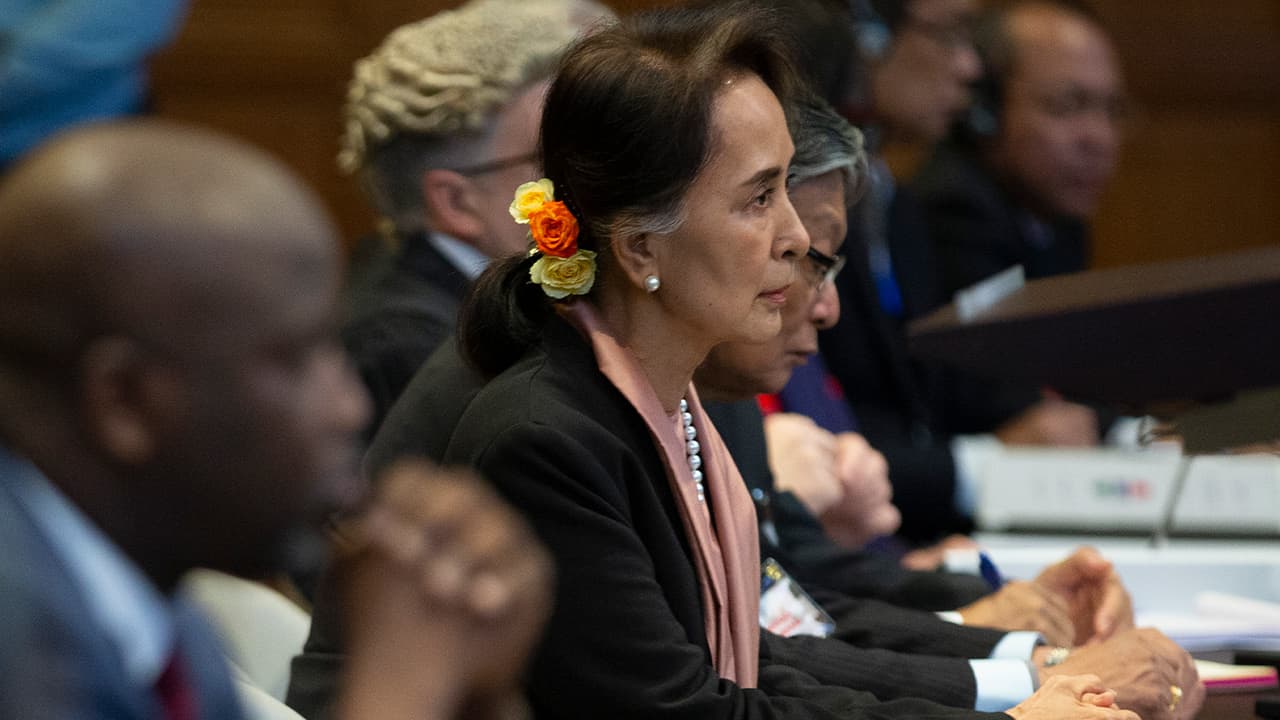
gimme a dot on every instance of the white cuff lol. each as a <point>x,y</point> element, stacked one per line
<point>1001,683</point>
<point>1017,645</point>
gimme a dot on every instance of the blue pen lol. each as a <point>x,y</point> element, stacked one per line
<point>989,571</point>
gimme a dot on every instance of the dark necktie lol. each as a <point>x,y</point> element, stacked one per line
<point>177,695</point>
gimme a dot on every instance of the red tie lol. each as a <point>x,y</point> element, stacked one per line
<point>177,696</point>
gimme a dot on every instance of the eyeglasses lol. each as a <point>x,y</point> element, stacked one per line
<point>823,268</point>
<point>496,165</point>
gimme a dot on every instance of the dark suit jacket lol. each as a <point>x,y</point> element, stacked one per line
<point>860,622</point>
<point>422,420</point>
<point>626,638</point>
<point>55,664</point>
<point>833,574</point>
<point>401,304</point>
<point>978,229</point>
<point>559,441</point>
<point>893,398</point>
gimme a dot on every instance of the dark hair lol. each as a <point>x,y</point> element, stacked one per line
<point>891,12</point>
<point>822,33</point>
<point>625,131</point>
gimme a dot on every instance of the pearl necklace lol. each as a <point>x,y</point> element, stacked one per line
<point>692,448</point>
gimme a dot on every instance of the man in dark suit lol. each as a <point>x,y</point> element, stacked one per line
<point>913,65</point>
<point>172,395</point>
<point>440,133</point>
<point>1019,178</point>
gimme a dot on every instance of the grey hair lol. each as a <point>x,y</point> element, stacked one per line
<point>430,94</point>
<point>824,142</point>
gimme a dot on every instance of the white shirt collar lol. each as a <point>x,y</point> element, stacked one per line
<point>130,611</point>
<point>468,260</point>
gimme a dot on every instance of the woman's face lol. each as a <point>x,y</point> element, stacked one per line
<point>726,270</point>
<point>738,370</point>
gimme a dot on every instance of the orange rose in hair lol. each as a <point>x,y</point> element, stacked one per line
<point>554,229</point>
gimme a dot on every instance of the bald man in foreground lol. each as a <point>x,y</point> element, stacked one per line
<point>172,395</point>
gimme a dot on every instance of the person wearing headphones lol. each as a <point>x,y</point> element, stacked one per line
<point>1019,178</point>
<point>908,77</point>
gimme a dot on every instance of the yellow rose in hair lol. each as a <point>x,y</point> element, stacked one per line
<point>562,277</point>
<point>529,197</point>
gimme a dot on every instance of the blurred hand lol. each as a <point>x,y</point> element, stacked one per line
<point>1097,601</point>
<point>1141,665</point>
<point>1052,422</point>
<point>1062,697</point>
<point>447,590</point>
<point>865,510</point>
<point>802,457</point>
<point>1021,605</point>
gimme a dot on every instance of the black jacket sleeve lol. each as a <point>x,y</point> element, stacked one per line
<point>626,637</point>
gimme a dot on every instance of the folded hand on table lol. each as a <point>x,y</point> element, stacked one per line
<point>447,590</point>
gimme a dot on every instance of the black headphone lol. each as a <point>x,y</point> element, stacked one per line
<point>872,32</point>
<point>982,121</point>
<point>992,43</point>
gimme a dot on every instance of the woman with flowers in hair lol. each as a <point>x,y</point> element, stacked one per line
<point>662,228</point>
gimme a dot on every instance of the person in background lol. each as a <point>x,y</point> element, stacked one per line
<point>870,636</point>
<point>1019,178</point>
<point>173,395</point>
<point>66,63</point>
<point>908,67</point>
<point>662,229</point>
<point>441,122</point>
<point>1076,602</point>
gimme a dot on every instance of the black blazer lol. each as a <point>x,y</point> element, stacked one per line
<point>607,513</point>
<point>978,228</point>
<point>892,397</point>
<point>423,419</point>
<point>833,574</point>
<point>401,305</point>
<point>626,638</point>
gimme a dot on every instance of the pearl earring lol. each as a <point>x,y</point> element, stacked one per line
<point>652,283</point>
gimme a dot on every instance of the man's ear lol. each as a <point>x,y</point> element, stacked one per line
<point>451,204</point>
<point>637,256</point>
<point>126,399</point>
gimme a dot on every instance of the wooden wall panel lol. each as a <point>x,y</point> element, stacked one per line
<point>1200,174</point>
<point>1193,182</point>
<point>1224,54</point>
<point>1201,171</point>
<point>275,73</point>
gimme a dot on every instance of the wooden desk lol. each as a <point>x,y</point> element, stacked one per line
<point>1135,336</point>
